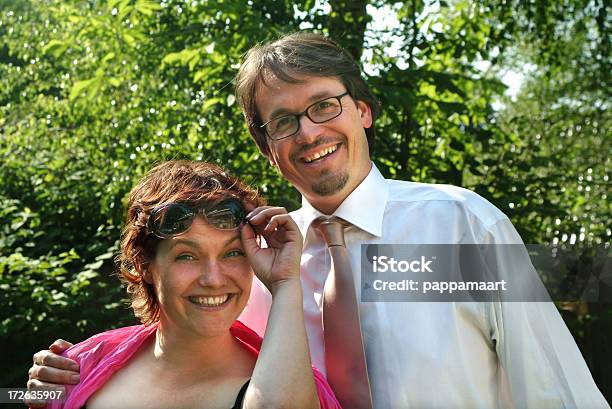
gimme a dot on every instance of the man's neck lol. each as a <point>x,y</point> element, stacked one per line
<point>329,204</point>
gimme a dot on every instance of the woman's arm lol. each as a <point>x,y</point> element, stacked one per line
<point>283,376</point>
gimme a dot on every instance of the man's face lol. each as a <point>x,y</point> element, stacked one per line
<point>326,161</point>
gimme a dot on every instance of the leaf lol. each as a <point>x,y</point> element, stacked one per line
<point>193,61</point>
<point>115,82</point>
<point>91,267</point>
<point>108,57</point>
<point>74,19</point>
<point>210,102</point>
<point>186,56</point>
<point>80,87</point>
<point>18,223</point>
<point>124,11</point>
<point>111,4</point>
<point>451,107</point>
<point>105,256</point>
<point>199,75</point>
<point>147,7</point>
<point>444,82</point>
<point>172,58</point>
<point>129,39</point>
<point>55,48</point>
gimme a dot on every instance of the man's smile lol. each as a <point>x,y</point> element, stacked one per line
<point>320,153</point>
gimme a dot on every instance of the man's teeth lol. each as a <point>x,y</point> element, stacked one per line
<point>320,154</point>
<point>209,301</point>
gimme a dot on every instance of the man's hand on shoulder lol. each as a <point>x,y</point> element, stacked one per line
<point>50,369</point>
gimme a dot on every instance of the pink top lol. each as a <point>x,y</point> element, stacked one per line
<point>104,354</point>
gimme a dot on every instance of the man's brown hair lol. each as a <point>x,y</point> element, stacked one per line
<point>294,55</point>
<point>189,182</point>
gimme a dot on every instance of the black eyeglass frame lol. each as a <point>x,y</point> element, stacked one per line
<point>233,205</point>
<point>299,115</point>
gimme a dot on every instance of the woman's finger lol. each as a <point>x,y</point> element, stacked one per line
<point>253,213</point>
<point>263,216</point>
<point>281,220</point>
<point>249,239</point>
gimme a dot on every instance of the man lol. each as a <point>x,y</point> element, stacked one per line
<point>312,115</point>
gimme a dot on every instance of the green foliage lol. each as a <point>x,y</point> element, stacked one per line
<point>43,293</point>
<point>92,94</point>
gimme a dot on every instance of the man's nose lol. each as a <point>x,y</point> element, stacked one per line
<point>212,275</point>
<point>309,131</point>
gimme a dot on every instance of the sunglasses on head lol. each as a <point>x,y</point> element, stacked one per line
<point>174,219</point>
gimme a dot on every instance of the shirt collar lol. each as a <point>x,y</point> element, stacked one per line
<point>363,208</point>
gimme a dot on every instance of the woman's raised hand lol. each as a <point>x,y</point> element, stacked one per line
<point>279,262</point>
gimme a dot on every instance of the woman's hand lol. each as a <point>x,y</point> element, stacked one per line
<point>282,377</point>
<point>280,261</point>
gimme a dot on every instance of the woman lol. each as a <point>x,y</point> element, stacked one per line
<point>186,256</point>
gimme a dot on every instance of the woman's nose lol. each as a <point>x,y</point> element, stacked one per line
<point>212,275</point>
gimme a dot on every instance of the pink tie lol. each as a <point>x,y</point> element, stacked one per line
<point>344,355</point>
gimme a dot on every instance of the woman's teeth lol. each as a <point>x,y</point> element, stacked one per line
<point>209,301</point>
<point>321,154</point>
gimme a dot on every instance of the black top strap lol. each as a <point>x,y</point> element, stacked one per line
<point>240,397</point>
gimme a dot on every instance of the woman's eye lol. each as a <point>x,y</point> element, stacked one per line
<point>234,253</point>
<point>185,257</point>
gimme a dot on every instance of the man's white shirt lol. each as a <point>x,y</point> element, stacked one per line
<point>439,354</point>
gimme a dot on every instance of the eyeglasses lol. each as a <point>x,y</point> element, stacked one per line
<point>319,112</point>
<point>174,219</point>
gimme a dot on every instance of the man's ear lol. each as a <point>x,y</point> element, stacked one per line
<point>272,160</point>
<point>365,113</point>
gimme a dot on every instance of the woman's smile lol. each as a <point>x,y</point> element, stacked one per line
<point>210,301</point>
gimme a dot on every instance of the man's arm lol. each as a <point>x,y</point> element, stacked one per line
<point>50,369</point>
<point>540,359</point>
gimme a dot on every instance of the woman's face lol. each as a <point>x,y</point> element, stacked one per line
<point>202,279</point>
